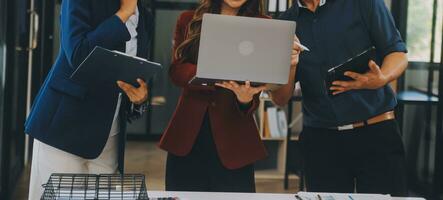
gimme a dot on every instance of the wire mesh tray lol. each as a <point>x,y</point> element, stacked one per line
<point>95,187</point>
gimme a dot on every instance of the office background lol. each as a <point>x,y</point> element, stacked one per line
<point>29,43</point>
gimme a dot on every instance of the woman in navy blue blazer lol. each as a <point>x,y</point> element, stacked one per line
<point>80,128</point>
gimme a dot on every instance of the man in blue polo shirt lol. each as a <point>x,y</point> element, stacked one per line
<point>350,140</point>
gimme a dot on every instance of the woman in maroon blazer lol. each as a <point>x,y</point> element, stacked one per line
<point>212,138</point>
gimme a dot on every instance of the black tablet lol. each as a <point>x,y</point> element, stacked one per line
<point>358,64</point>
<point>103,66</point>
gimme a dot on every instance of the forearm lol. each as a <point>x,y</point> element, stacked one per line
<point>282,95</point>
<point>394,65</point>
<point>81,35</point>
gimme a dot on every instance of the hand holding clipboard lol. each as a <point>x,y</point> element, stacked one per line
<point>105,67</point>
<point>359,72</point>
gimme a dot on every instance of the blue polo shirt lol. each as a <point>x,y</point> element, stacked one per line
<point>336,31</point>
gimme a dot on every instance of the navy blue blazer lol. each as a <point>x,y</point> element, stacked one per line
<point>74,116</point>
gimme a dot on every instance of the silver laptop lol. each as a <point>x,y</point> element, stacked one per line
<point>244,49</point>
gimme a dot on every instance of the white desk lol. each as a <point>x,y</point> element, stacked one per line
<point>231,196</point>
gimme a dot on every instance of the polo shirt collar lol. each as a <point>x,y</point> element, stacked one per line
<point>322,2</point>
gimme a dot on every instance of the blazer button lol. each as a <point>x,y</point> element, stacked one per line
<point>213,104</point>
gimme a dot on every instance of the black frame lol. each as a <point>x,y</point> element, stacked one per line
<point>400,13</point>
<point>437,191</point>
<point>294,161</point>
<point>13,143</point>
<point>43,54</point>
<point>3,189</point>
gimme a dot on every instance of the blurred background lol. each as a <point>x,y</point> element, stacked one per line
<point>29,43</point>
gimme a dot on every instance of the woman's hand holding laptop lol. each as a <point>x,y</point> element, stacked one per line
<point>245,93</point>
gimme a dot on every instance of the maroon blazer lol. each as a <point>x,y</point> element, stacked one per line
<point>234,130</point>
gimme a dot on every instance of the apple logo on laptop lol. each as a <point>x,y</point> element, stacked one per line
<point>246,48</point>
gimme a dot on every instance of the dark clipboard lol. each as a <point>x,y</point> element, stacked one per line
<point>103,66</point>
<point>358,64</point>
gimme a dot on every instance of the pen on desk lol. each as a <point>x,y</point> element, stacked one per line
<point>319,197</point>
<point>298,197</point>
<point>350,197</point>
<point>302,46</point>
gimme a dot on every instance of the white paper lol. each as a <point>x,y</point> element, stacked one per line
<point>283,5</point>
<point>337,196</point>
<point>278,125</point>
<point>272,6</point>
<point>282,123</point>
<point>273,122</point>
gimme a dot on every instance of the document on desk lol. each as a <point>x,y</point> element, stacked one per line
<point>106,66</point>
<point>340,196</point>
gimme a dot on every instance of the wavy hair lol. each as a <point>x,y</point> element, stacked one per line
<point>187,51</point>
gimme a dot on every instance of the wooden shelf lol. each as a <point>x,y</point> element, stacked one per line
<point>274,167</point>
<point>272,174</point>
<point>295,138</point>
<point>273,139</point>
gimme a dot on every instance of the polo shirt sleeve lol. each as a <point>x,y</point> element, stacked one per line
<point>383,32</point>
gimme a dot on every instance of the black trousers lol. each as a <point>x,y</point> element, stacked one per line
<point>202,170</point>
<point>370,159</point>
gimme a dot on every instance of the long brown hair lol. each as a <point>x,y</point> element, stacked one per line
<point>187,51</point>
